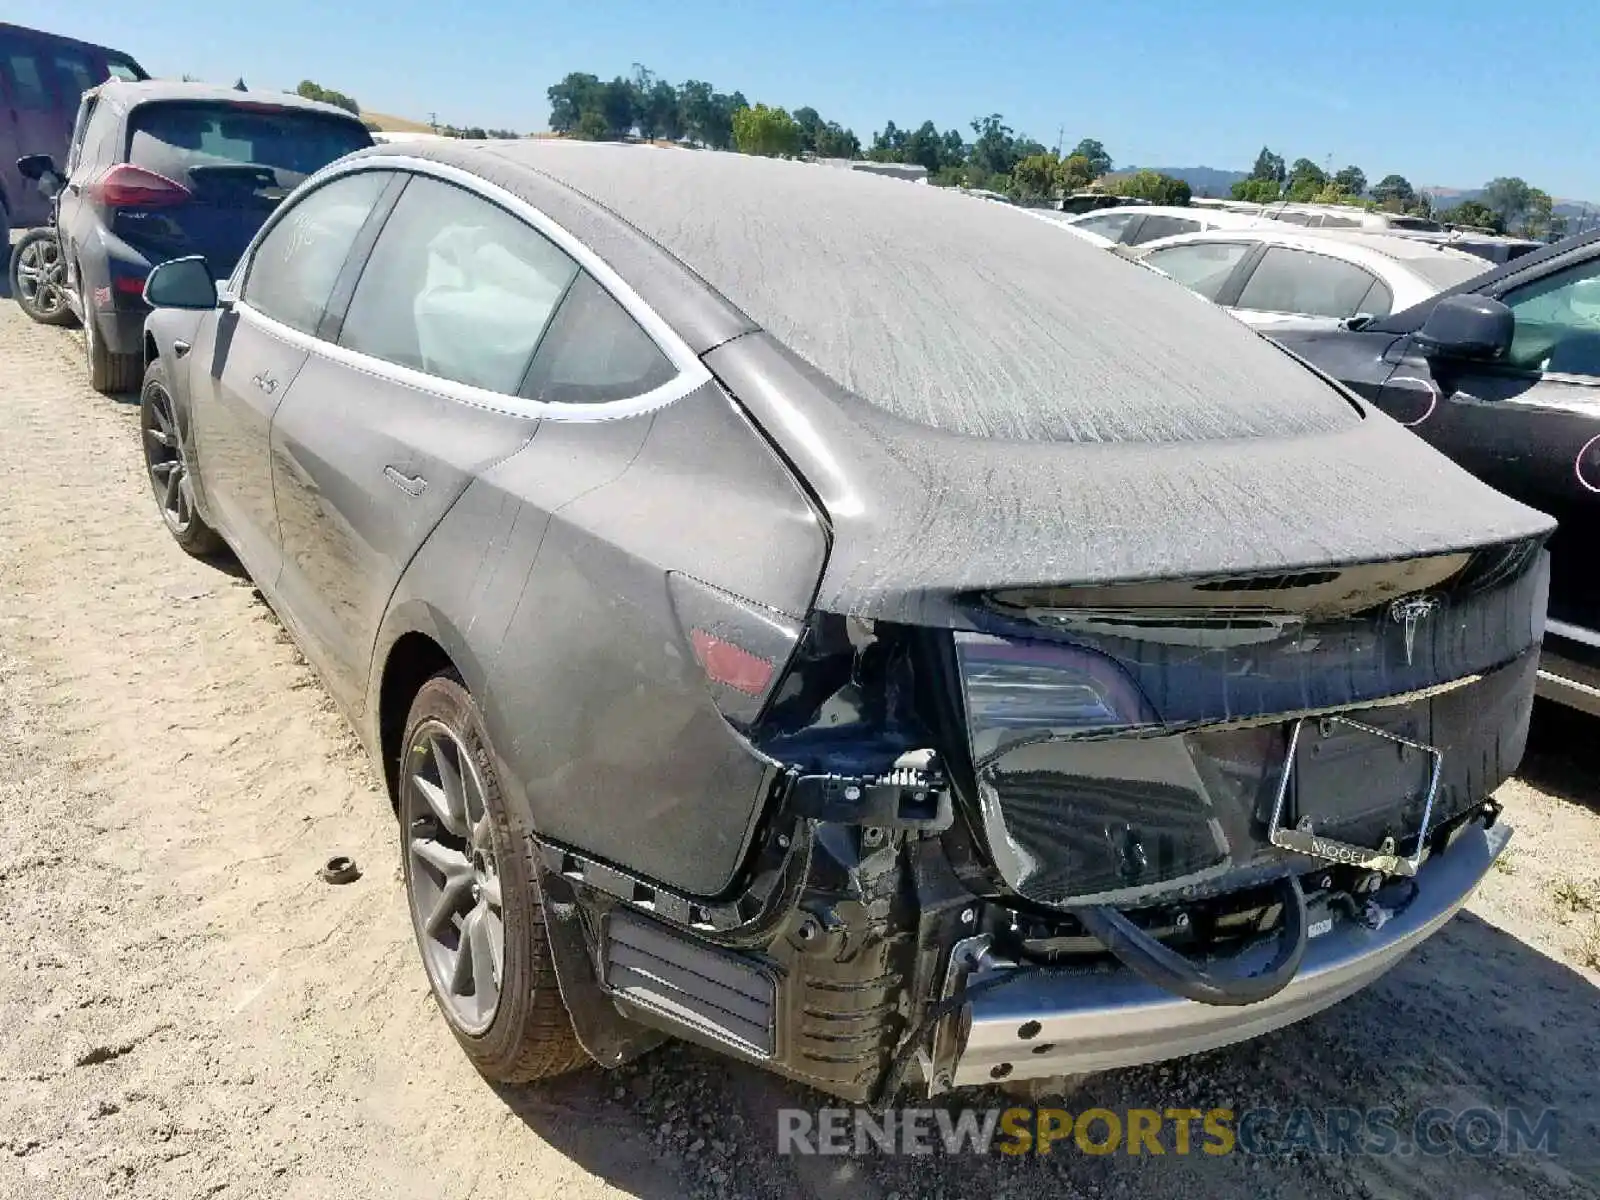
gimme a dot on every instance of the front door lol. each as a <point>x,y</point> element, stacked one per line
<point>259,349</point>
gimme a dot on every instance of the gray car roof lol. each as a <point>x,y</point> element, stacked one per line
<point>971,318</point>
<point>132,93</point>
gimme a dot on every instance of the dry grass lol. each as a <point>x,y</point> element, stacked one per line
<point>1572,896</point>
<point>395,124</point>
<point>1589,947</point>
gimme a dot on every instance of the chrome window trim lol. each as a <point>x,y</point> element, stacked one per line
<point>691,372</point>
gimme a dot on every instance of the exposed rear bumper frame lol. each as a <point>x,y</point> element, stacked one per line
<point>1053,1022</point>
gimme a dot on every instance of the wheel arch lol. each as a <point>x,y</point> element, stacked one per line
<point>418,643</point>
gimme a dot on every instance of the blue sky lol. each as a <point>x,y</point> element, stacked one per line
<point>1446,92</point>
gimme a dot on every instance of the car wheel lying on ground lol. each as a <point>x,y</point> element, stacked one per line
<point>789,617</point>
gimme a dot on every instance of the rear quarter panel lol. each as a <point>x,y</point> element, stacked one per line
<point>550,575</point>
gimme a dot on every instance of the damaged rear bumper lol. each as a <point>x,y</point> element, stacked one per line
<point>1049,1021</point>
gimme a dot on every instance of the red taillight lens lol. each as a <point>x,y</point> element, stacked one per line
<point>742,647</point>
<point>130,285</point>
<point>128,186</point>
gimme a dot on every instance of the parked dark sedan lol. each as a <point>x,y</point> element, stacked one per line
<point>799,612</point>
<point>1502,373</point>
<point>160,170</point>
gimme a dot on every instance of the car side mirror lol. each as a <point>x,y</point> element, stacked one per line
<point>181,283</point>
<point>41,169</point>
<point>1477,328</point>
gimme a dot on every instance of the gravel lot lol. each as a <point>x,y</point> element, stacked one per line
<point>189,1011</point>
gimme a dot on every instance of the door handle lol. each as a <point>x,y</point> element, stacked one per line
<point>411,485</point>
<point>265,382</point>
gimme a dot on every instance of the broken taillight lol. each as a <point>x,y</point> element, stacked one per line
<point>741,647</point>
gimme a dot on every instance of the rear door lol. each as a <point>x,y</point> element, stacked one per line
<point>260,344</point>
<point>1530,426</point>
<point>384,430</point>
<point>235,161</point>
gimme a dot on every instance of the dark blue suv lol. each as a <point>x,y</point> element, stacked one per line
<point>162,170</point>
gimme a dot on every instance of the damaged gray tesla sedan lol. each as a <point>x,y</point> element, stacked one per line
<point>841,624</point>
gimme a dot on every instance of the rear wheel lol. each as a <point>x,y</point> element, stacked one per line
<point>109,373</point>
<point>39,278</point>
<point>474,903</point>
<point>168,466</point>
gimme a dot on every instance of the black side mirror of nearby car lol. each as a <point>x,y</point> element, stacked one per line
<point>41,169</point>
<point>181,283</point>
<point>1468,327</point>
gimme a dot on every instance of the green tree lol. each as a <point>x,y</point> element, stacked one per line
<point>592,126</point>
<point>1075,173</point>
<point>1511,198</point>
<point>811,124</point>
<point>1269,166</point>
<point>769,132</point>
<point>834,141</point>
<point>314,91</point>
<point>1306,179</point>
<point>1152,186</point>
<point>656,111</point>
<point>616,106</point>
<point>1475,214</point>
<point>1394,192</point>
<point>239,86</point>
<point>994,150</point>
<point>1099,160</point>
<point>697,109</point>
<point>953,147</point>
<point>1541,212</point>
<point>925,146</point>
<point>888,145</point>
<point>1352,181</point>
<point>1036,177</point>
<point>1256,191</point>
<point>575,95</point>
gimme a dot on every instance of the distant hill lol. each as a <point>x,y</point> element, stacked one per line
<point>1446,197</point>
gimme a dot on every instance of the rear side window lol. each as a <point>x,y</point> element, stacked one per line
<point>121,67</point>
<point>180,139</point>
<point>25,73</point>
<point>1160,227</point>
<point>1108,226</point>
<point>1202,267</point>
<point>457,287</point>
<point>75,74</point>
<point>295,267</point>
<point>595,352</point>
<point>1298,281</point>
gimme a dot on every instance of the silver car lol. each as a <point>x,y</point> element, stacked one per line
<point>858,629</point>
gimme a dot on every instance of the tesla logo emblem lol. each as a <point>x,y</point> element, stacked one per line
<point>1411,612</point>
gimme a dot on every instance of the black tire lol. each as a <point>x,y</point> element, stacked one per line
<point>529,1035</point>
<point>109,374</point>
<point>38,278</point>
<point>164,455</point>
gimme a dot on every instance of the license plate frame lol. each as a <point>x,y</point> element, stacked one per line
<point>1302,838</point>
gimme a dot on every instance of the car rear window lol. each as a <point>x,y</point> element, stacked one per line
<point>173,139</point>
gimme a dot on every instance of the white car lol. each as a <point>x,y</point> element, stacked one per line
<point>1133,225</point>
<point>1278,277</point>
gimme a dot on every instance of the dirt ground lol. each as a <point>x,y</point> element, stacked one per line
<point>188,1011</point>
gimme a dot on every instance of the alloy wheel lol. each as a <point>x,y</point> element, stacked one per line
<point>42,277</point>
<point>453,876</point>
<point>163,456</point>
